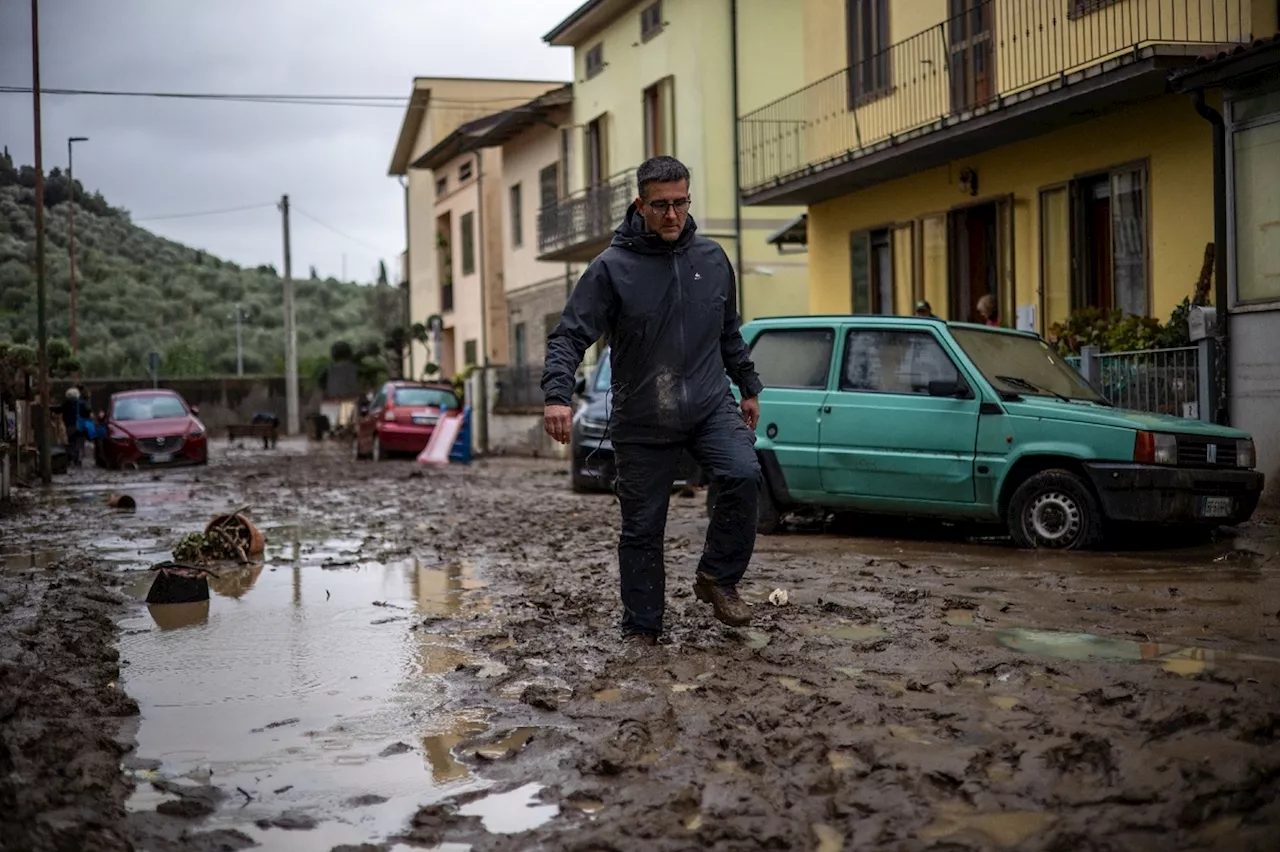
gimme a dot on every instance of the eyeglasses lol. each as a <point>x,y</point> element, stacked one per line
<point>662,207</point>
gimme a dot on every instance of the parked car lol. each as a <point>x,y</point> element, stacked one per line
<point>923,418</point>
<point>591,456</point>
<point>401,418</point>
<point>151,427</point>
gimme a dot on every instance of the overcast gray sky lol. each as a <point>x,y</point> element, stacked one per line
<point>164,157</point>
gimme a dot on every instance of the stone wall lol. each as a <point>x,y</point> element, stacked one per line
<point>222,401</point>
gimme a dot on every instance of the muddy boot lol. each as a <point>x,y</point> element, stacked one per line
<point>639,640</point>
<point>729,607</point>
<point>637,647</point>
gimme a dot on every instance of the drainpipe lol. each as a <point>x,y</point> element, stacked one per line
<point>482,389</point>
<point>408,274</point>
<point>1222,414</point>
<point>737,155</point>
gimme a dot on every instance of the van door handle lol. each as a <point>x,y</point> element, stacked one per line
<point>826,409</point>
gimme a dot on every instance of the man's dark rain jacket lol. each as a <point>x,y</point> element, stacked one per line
<point>670,311</point>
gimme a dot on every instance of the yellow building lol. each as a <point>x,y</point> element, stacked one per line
<point>669,77</point>
<point>947,149</point>
<point>453,212</point>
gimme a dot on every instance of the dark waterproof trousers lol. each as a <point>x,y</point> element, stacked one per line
<point>724,447</point>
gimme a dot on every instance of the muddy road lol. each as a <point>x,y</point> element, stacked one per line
<point>430,659</point>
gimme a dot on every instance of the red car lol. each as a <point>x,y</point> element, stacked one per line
<point>151,427</point>
<point>401,418</point>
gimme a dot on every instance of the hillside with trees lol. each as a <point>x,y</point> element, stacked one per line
<point>138,292</point>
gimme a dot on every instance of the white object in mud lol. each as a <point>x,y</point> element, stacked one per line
<point>778,597</point>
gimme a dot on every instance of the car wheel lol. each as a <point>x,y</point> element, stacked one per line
<point>768,518</point>
<point>378,455</point>
<point>1055,510</point>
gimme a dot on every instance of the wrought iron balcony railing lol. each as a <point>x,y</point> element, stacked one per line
<point>997,52</point>
<point>588,216</point>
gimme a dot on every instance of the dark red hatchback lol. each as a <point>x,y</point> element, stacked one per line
<point>151,427</point>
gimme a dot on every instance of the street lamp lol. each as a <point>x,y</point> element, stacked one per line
<point>71,230</point>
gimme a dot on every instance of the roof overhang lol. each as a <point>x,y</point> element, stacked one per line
<point>1246,61</point>
<point>794,233</point>
<point>409,129</point>
<point>585,21</point>
<point>495,130</point>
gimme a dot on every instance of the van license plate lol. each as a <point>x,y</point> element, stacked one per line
<point>1216,507</point>
<point>161,459</point>
<point>423,419</point>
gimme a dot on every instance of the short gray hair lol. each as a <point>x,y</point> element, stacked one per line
<point>660,170</point>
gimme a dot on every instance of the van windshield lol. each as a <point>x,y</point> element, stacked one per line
<point>1024,365</point>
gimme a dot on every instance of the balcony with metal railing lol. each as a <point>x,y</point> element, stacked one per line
<point>579,226</point>
<point>1005,70</point>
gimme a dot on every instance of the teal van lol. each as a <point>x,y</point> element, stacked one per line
<point>924,418</point>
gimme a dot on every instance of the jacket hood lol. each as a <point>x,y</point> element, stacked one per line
<point>632,235</point>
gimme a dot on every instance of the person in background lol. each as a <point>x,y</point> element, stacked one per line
<point>70,420</point>
<point>988,311</point>
<point>924,309</point>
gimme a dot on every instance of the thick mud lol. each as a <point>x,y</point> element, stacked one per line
<point>432,657</point>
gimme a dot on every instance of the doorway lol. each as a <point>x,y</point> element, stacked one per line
<point>974,243</point>
<point>1097,288</point>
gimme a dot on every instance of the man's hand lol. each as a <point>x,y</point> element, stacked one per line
<point>751,412</point>
<point>558,421</point>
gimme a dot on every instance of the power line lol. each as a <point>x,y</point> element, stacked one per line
<point>204,213</point>
<point>374,101</point>
<point>355,240</point>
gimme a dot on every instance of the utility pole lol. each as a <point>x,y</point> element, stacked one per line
<point>42,318</point>
<point>290,331</point>
<point>71,231</point>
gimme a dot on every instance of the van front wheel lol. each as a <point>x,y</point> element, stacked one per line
<point>1055,510</point>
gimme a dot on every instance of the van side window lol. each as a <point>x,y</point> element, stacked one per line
<point>889,361</point>
<point>794,358</point>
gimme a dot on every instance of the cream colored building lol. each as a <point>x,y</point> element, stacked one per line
<point>670,77</point>
<point>450,249</point>
<point>534,290</point>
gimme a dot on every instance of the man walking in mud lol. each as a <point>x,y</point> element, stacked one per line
<point>667,299</point>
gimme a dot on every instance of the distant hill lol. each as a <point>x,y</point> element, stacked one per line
<point>137,292</point>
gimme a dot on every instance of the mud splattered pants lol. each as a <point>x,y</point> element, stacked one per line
<point>725,448</point>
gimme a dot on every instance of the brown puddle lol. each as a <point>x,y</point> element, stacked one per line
<point>302,687</point>
<point>505,747</point>
<point>1008,829</point>
<point>1087,647</point>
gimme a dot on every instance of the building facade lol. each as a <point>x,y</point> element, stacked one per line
<point>1027,149</point>
<point>1247,80</point>
<point>670,77</point>
<point>450,251</point>
<point>535,289</point>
